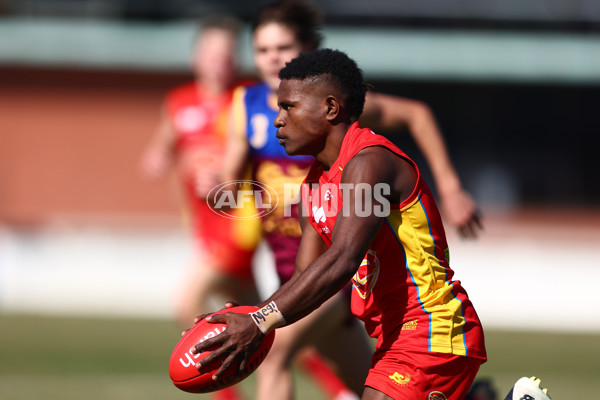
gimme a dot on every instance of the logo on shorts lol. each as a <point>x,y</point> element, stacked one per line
<point>400,379</point>
<point>435,395</point>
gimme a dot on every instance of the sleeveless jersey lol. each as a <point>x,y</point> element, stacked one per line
<point>200,125</point>
<point>255,109</point>
<point>196,117</point>
<point>403,289</point>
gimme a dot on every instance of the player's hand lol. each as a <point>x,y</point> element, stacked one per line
<point>460,210</point>
<point>240,340</point>
<point>205,181</point>
<point>229,304</point>
<point>200,317</point>
<point>154,164</point>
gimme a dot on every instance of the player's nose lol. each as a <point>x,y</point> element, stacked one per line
<point>279,120</point>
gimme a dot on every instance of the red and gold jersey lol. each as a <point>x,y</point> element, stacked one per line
<point>200,120</point>
<point>196,115</point>
<point>404,289</point>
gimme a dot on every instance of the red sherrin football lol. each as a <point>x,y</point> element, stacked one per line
<point>182,363</point>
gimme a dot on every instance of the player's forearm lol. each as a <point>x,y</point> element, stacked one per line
<point>156,158</point>
<point>321,280</point>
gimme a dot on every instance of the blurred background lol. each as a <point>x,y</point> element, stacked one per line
<point>87,246</point>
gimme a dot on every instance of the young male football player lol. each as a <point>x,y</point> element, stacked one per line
<point>369,218</point>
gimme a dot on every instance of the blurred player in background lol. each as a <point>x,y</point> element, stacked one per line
<point>191,136</point>
<point>281,32</point>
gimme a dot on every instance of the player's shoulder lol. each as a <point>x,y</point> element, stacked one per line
<point>356,139</point>
<point>240,89</point>
<point>255,90</point>
<point>376,163</point>
<point>246,82</point>
<point>180,96</point>
<point>372,160</point>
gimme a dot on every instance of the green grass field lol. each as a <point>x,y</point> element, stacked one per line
<point>112,359</point>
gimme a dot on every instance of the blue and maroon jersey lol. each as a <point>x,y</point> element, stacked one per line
<point>404,289</point>
<point>255,109</point>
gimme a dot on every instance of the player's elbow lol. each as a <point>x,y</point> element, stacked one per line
<point>420,114</point>
<point>347,264</point>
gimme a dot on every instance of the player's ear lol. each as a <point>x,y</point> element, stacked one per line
<point>333,107</point>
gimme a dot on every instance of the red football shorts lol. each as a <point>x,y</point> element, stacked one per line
<point>406,375</point>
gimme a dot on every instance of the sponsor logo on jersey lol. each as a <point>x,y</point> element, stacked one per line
<point>400,379</point>
<point>319,214</point>
<point>191,119</point>
<point>410,326</point>
<point>190,358</point>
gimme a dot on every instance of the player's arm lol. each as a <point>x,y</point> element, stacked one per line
<point>327,273</point>
<point>352,234</point>
<point>321,277</point>
<point>389,113</point>
<point>157,156</point>
<point>311,247</point>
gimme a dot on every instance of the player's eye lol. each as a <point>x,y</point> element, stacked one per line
<point>285,47</point>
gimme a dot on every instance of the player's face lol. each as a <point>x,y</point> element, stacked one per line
<point>301,121</point>
<point>274,45</point>
<point>214,58</point>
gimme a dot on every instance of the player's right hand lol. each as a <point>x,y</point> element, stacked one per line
<point>238,342</point>
<point>154,164</point>
<point>461,211</point>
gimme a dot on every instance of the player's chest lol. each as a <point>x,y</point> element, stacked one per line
<point>326,204</point>
<point>193,119</point>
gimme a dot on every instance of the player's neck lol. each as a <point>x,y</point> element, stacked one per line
<point>211,89</point>
<point>333,146</point>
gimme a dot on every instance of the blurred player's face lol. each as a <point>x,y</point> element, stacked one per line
<point>214,58</point>
<point>301,121</point>
<point>274,45</point>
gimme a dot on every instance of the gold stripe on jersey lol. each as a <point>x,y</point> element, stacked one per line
<point>446,322</point>
<point>239,115</point>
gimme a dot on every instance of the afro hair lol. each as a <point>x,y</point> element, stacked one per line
<point>336,67</point>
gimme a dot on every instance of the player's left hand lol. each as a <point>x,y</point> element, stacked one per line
<point>460,210</point>
<point>200,317</point>
<point>240,340</point>
<point>229,304</point>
